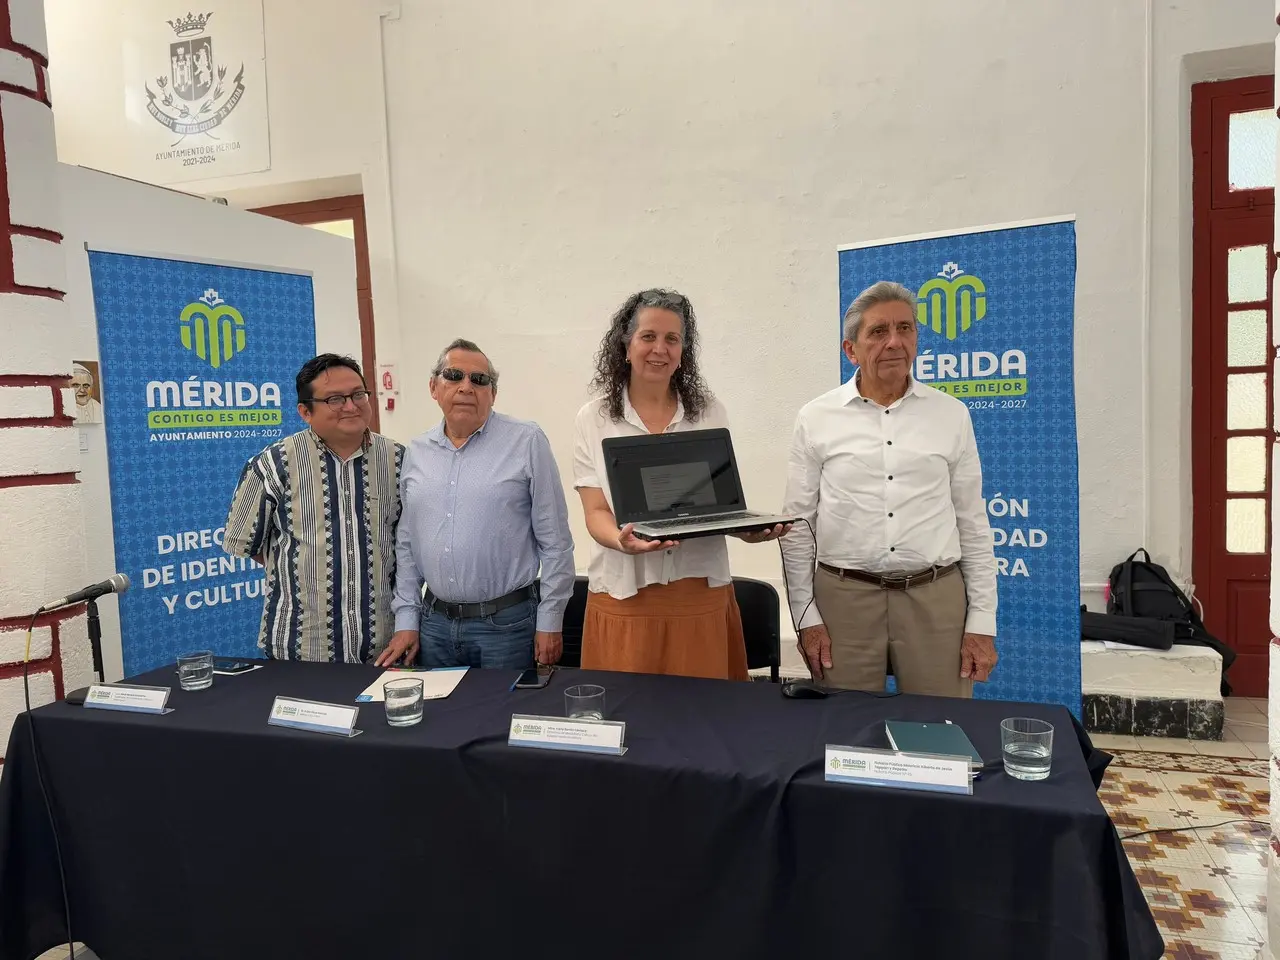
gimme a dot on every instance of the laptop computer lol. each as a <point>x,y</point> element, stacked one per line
<point>676,486</point>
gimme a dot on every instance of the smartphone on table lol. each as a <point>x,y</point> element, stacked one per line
<point>229,667</point>
<point>535,678</point>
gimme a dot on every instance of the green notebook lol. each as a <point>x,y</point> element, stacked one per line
<point>941,738</point>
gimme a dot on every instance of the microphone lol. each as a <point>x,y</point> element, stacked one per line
<point>116,583</point>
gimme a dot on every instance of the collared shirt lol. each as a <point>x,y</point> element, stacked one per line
<point>891,491</point>
<point>619,574</point>
<point>325,527</point>
<point>479,520</point>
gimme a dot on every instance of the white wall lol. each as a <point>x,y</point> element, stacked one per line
<point>546,162</point>
<point>570,153</point>
<point>1193,42</point>
<point>109,213</point>
<point>324,93</point>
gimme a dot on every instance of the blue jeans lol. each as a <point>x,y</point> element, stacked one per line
<point>503,641</point>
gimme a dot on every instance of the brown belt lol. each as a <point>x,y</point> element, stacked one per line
<point>891,583</point>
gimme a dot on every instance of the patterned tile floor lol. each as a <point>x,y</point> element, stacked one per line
<point>1208,887</point>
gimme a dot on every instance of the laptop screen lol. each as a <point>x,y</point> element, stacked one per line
<point>672,475</point>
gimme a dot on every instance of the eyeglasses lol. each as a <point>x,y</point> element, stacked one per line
<point>454,375</point>
<point>338,400</point>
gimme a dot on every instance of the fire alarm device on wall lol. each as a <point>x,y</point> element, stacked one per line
<point>388,384</point>
<point>388,381</point>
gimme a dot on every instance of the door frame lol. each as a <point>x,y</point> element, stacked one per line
<point>1211,202</point>
<point>344,208</point>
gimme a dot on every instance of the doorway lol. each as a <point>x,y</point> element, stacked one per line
<point>1233,141</point>
<point>343,216</point>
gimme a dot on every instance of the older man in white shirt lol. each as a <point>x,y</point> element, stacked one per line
<point>886,471</point>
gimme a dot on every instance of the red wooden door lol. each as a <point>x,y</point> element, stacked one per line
<point>1232,356</point>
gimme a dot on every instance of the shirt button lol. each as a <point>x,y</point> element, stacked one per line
<point>892,549</point>
<point>446,549</point>
<point>889,442</point>
<point>450,514</point>
<point>891,514</point>
<point>890,476</point>
<point>452,482</point>
<point>451,579</point>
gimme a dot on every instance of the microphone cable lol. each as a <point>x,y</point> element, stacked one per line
<point>795,622</point>
<point>44,790</point>
<point>786,586</point>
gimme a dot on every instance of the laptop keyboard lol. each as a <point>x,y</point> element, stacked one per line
<point>697,521</point>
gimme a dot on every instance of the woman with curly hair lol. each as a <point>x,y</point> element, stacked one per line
<point>653,606</point>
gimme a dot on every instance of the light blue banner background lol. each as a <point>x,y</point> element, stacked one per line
<point>997,318</point>
<point>171,332</point>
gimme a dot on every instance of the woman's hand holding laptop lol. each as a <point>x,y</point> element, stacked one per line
<point>628,542</point>
<point>760,536</point>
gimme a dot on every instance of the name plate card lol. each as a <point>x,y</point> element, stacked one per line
<point>127,697</point>
<point>907,771</point>
<point>560,733</point>
<point>336,719</point>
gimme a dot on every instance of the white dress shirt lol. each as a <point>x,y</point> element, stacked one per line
<point>619,574</point>
<point>891,491</point>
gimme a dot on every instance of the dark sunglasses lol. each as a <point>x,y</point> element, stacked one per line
<point>454,375</point>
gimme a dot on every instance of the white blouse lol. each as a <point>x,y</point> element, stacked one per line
<point>619,574</point>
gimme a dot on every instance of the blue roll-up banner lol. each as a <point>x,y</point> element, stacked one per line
<point>198,365</point>
<point>996,312</point>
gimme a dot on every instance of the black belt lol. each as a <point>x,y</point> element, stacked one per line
<point>486,608</point>
<point>891,583</point>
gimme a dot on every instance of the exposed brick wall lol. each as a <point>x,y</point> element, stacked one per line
<point>41,523</point>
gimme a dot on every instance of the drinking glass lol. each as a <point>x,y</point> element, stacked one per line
<point>195,670</point>
<point>403,701</point>
<point>1027,746</point>
<point>584,702</point>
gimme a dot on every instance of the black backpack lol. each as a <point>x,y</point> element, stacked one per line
<point>1141,588</point>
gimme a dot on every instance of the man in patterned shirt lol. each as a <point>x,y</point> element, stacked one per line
<point>319,510</point>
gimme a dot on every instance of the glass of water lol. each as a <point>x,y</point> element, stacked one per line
<point>195,670</point>
<point>1027,746</point>
<point>403,701</point>
<point>584,702</point>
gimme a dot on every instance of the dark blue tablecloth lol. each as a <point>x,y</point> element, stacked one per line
<point>207,834</point>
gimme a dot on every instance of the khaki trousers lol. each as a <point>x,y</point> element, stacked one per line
<point>918,630</point>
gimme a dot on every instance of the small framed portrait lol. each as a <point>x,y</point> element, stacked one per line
<point>86,381</point>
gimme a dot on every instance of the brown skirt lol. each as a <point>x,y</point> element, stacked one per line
<point>685,628</point>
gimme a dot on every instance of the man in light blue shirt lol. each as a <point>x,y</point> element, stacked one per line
<point>482,509</point>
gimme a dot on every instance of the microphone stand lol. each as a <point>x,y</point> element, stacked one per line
<point>77,697</point>
<point>95,638</point>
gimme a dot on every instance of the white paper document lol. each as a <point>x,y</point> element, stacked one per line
<point>436,684</point>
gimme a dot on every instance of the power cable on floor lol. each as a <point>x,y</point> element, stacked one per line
<point>1203,826</point>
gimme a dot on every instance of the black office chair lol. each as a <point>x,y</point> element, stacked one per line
<point>758,603</point>
<point>574,614</point>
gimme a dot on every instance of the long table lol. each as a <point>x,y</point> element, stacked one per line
<point>207,834</point>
